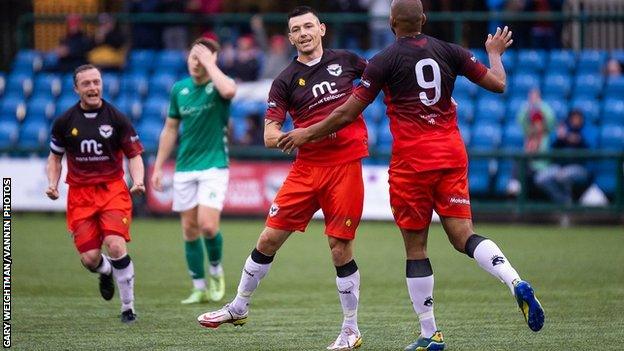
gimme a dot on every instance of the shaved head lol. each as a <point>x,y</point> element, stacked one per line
<point>406,16</point>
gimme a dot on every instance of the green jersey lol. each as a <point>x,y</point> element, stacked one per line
<point>204,118</point>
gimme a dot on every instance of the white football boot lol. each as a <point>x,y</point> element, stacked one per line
<point>348,339</point>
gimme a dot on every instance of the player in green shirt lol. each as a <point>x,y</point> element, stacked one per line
<point>201,104</point>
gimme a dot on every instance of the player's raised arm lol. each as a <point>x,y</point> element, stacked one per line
<point>225,85</point>
<point>495,79</point>
<point>338,119</point>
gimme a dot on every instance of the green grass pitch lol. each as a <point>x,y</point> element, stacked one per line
<point>578,274</point>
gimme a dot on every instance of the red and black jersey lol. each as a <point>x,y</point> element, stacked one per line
<point>310,94</point>
<point>94,142</point>
<point>417,75</point>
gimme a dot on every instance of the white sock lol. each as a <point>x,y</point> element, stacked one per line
<point>349,293</point>
<point>105,267</point>
<point>421,293</point>
<point>491,258</point>
<point>123,271</point>
<point>253,272</point>
<point>215,270</point>
<point>199,284</point>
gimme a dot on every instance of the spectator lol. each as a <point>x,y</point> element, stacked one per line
<point>545,34</point>
<point>227,59</point>
<point>109,41</point>
<point>145,35</point>
<point>247,60</point>
<point>613,68</point>
<point>174,36</point>
<point>253,135</point>
<point>537,120</point>
<point>73,48</point>
<point>561,178</point>
<point>380,33</point>
<point>276,50</point>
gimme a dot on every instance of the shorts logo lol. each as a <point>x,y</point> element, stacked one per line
<point>124,220</point>
<point>273,210</point>
<point>106,131</point>
<point>348,222</point>
<point>301,82</point>
<point>459,201</point>
<point>74,132</point>
<point>334,69</point>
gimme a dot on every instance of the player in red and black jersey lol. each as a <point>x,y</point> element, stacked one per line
<point>327,174</point>
<point>95,136</point>
<point>428,169</point>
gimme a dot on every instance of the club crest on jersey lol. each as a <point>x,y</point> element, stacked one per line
<point>209,88</point>
<point>273,210</point>
<point>334,69</point>
<point>106,131</point>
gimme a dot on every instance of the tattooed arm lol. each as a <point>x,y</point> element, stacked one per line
<point>272,131</point>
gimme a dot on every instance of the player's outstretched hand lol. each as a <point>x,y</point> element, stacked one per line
<point>52,192</point>
<point>291,140</point>
<point>137,188</point>
<point>499,42</point>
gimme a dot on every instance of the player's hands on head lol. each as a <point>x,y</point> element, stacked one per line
<point>291,140</point>
<point>52,192</point>
<point>157,180</point>
<point>499,42</point>
<point>137,188</point>
<point>204,55</point>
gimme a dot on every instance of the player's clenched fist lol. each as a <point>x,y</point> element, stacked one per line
<point>501,40</point>
<point>52,192</point>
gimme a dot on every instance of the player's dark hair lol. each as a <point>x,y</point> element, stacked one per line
<point>211,44</point>
<point>82,69</point>
<point>301,10</point>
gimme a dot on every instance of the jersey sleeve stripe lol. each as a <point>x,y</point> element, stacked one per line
<point>56,149</point>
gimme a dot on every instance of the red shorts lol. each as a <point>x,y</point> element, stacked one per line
<point>414,195</point>
<point>94,211</point>
<point>337,190</point>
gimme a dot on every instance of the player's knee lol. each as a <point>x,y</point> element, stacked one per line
<point>116,249</point>
<point>267,244</point>
<point>209,229</point>
<point>341,252</point>
<point>90,260</point>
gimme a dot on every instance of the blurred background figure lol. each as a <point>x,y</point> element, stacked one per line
<point>380,33</point>
<point>537,120</point>
<point>73,48</point>
<point>613,68</point>
<point>253,135</point>
<point>145,35</point>
<point>247,59</point>
<point>276,49</point>
<point>174,37</point>
<point>563,176</point>
<point>109,42</point>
